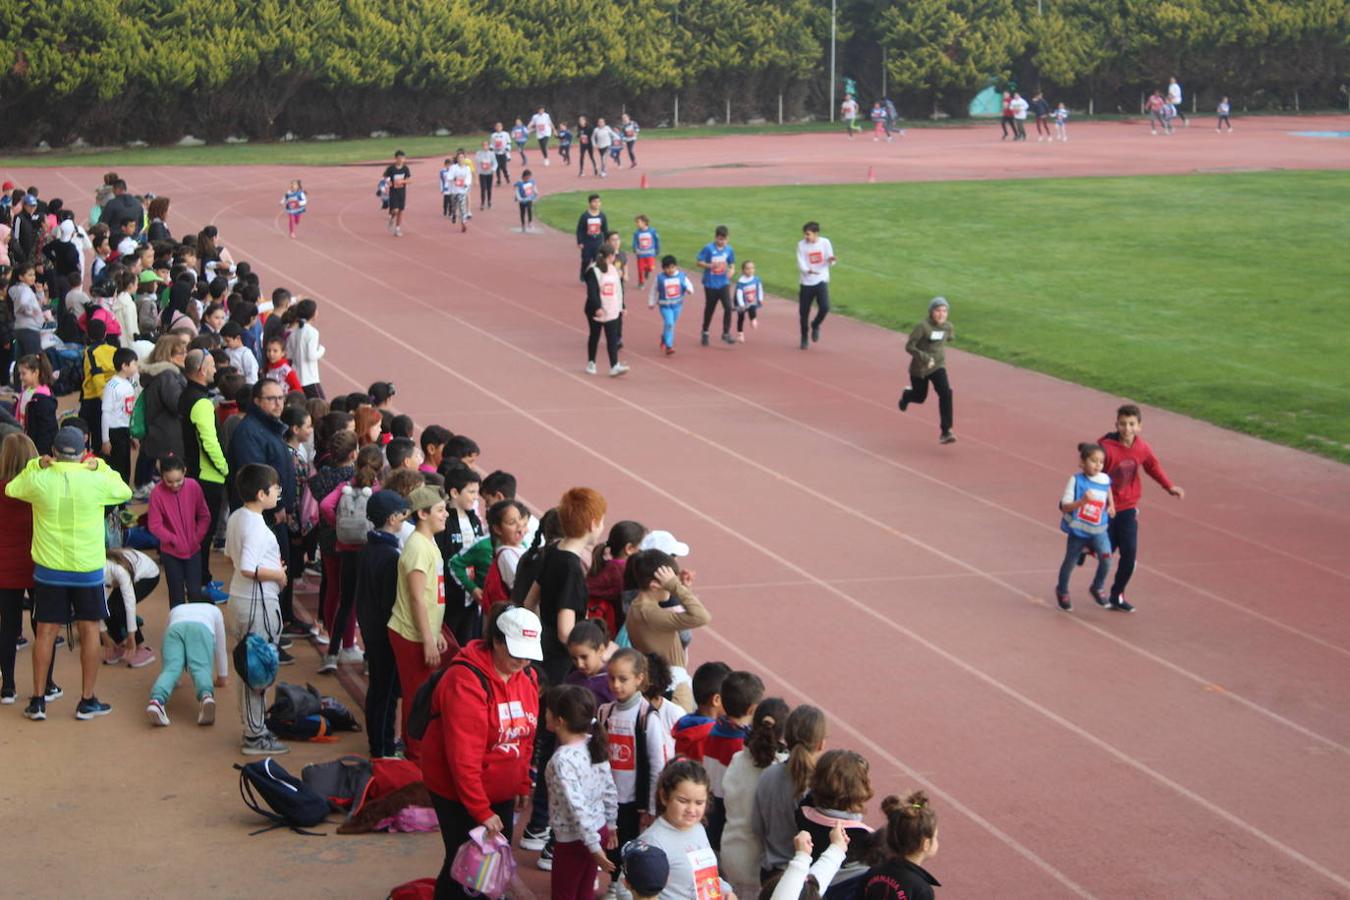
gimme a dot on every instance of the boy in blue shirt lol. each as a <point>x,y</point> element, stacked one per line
<point>668,292</point>
<point>526,194</point>
<point>716,260</point>
<point>520,134</point>
<point>646,247</point>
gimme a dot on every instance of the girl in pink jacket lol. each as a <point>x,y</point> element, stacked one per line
<point>179,518</point>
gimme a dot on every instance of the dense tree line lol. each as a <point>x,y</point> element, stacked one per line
<point>114,70</point>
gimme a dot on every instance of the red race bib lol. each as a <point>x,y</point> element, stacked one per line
<point>622,752</point>
<point>644,242</point>
<point>1091,511</point>
<point>674,290</point>
<point>440,589</point>
<point>592,227</point>
<point>815,257</point>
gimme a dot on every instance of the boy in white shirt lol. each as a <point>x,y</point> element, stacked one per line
<point>541,125</point>
<point>258,577</point>
<point>815,255</point>
<point>242,358</point>
<point>119,399</point>
<point>194,639</point>
<point>460,177</point>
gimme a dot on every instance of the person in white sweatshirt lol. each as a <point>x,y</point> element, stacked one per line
<point>583,806</point>
<point>303,348</point>
<point>119,400</point>
<point>741,849</point>
<point>794,878</point>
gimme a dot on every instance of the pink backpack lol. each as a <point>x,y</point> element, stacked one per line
<point>484,867</point>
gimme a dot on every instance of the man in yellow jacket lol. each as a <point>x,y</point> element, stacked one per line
<point>68,497</point>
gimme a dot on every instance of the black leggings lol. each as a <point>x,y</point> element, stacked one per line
<point>585,151</point>
<point>456,823</point>
<point>346,598</point>
<point>632,157</point>
<point>917,392</point>
<point>382,692</point>
<point>712,297</point>
<point>1124,531</point>
<point>806,295</point>
<point>543,147</point>
<point>750,311</point>
<point>503,169</point>
<point>1042,126</point>
<point>526,213</point>
<point>117,612</point>
<point>214,492</point>
<point>11,624</point>
<point>1008,126</point>
<point>611,330</point>
<point>484,191</point>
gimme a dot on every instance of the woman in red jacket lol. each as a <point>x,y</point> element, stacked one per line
<point>16,560</point>
<point>480,740</point>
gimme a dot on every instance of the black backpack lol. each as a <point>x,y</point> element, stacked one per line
<point>291,703</point>
<point>292,803</point>
<point>421,714</point>
<point>340,781</point>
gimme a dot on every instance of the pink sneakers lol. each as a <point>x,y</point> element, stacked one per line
<point>143,656</point>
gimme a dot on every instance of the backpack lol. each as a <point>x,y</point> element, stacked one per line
<point>352,524</point>
<point>642,784</point>
<point>138,417</point>
<point>421,714</point>
<point>255,656</point>
<point>293,804</point>
<point>484,866</point>
<point>293,702</point>
<point>340,781</point>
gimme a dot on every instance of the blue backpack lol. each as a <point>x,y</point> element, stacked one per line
<point>255,657</point>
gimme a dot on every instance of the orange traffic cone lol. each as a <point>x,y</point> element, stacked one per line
<point>871,175</point>
<point>643,183</point>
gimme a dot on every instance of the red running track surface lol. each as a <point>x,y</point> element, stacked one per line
<point>1195,749</point>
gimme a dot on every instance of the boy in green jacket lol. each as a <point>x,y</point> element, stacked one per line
<point>928,365</point>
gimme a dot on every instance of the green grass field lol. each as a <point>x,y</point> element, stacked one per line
<point>1220,296</point>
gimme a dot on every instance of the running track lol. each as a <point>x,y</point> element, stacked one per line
<point>1199,748</point>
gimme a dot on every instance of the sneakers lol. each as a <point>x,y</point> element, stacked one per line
<point>534,840</point>
<point>91,708</point>
<point>351,656</point>
<point>156,714</point>
<point>704,340</point>
<point>1063,601</point>
<point>284,658</point>
<point>299,629</point>
<point>113,655</point>
<point>1100,598</point>
<point>1120,604</point>
<point>285,643</point>
<point>805,345</point>
<point>617,369</point>
<point>590,368</point>
<point>398,232</point>
<point>329,664</point>
<point>215,594</point>
<point>7,696</point>
<point>546,857</point>
<point>740,337</point>
<point>206,711</point>
<point>217,584</point>
<point>728,339</point>
<point>54,692</point>
<point>815,333</point>
<point>947,438</point>
<point>36,709</point>
<point>904,401</point>
<point>21,643</point>
<point>390,225</point>
<point>143,657</point>
<point>265,745</point>
<point>668,351</point>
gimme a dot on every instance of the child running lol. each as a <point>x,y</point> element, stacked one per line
<point>526,193</point>
<point>749,298</point>
<point>294,202</point>
<point>501,146</point>
<point>396,177</point>
<point>646,247</point>
<point>928,365</point>
<point>1088,510</point>
<point>682,799</point>
<point>520,135</point>
<point>541,123</point>
<point>485,161</point>
<point>1062,122</point>
<point>716,260</point>
<point>459,176</point>
<point>1224,109</point>
<point>628,131</point>
<point>583,808</point>
<point>564,144</point>
<point>1127,453</point>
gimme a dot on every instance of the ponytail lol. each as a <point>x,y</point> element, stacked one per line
<point>369,463</point>
<point>574,706</point>
<point>805,735</point>
<point>766,731</point>
<point>909,823</point>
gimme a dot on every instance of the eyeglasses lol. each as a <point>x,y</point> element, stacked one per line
<point>275,399</point>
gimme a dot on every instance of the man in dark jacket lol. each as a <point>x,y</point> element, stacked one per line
<point>121,207</point>
<point>23,239</point>
<point>261,438</point>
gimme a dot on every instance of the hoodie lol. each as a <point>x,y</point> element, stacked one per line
<point>1123,465</point>
<point>180,519</point>
<point>691,734</point>
<point>479,743</point>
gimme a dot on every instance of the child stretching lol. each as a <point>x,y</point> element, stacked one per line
<point>526,193</point>
<point>639,746</point>
<point>681,799</point>
<point>783,785</point>
<point>668,292</point>
<point>180,519</point>
<point>691,731</point>
<point>591,650</point>
<point>911,839</point>
<point>928,365</point>
<point>749,298</point>
<point>646,247</point>
<point>1088,508</point>
<point>294,202</point>
<point>742,850</point>
<point>583,808</point>
<point>1126,454</point>
<point>741,693</point>
<point>194,639</point>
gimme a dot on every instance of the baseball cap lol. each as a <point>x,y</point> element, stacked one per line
<point>425,497</point>
<point>521,629</point>
<point>29,200</point>
<point>7,186</point>
<point>69,443</point>
<point>384,504</point>
<point>645,867</point>
<point>665,542</point>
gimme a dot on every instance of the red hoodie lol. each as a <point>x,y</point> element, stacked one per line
<point>477,748</point>
<point>1123,465</point>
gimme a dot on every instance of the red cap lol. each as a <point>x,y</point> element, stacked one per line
<point>8,186</point>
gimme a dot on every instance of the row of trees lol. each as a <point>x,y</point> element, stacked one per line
<point>110,70</point>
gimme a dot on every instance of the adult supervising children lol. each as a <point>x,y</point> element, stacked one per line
<point>815,255</point>
<point>716,260</point>
<point>591,230</point>
<point>1126,454</point>
<point>397,174</point>
<point>928,365</point>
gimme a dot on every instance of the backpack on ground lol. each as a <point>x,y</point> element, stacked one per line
<point>290,802</point>
<point>352,524</point>
<point>292,702</point>
<point>341,781</point>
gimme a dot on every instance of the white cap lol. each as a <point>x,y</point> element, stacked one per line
<point>665,542</point>
<point>521,629</point>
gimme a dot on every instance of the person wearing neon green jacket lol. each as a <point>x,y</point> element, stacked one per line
<point>202,453</point>
<point>68,499</point>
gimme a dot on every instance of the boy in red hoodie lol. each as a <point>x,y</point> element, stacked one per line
<point>477,749</point>
<point>691,732</point>
<point>1126,454</point>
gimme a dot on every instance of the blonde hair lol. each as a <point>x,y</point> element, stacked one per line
<point>15,453</point>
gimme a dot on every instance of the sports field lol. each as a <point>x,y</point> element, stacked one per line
<point>1220,296</point>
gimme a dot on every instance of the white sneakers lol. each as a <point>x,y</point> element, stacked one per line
<point>617,369</point>
<point>156,714</point>
<point>351,656</point>
<point>590,368</point>
<point>206,713</point>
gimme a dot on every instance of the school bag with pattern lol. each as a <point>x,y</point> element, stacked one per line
<point>484,866</point>
<point>291,803</point>
<point>352,524</point>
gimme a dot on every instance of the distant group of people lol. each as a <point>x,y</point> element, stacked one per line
<point>884,116</point>
<point>1014,117</point>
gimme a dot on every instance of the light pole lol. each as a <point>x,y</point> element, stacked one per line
<point>832,19</point>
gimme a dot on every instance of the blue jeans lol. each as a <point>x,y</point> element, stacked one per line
<point>669,316</point>
<point>1101,543</point>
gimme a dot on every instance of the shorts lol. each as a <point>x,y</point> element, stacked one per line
<point>398,199</point>
<point>61,605</point>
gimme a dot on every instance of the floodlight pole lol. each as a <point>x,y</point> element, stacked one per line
<point>832,20</point>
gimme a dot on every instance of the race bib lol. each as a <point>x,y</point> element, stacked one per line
<point>674,290</point>
<point>528,191</point>
<point>459,181</point>
<point>398,182</point>
<point>719,265</point>
<point>292,205</point>
<point>499,144</point>
<point>622,753</point>
<point>815,257</point>
<point>440,589</point>
<point>607,289</point>
<point>485,165</point>
<point>592,227</point>
<point>750,294</point>
<point>707,883</point>
<point>1091,511</point>
<point>937,335</point>
<point>129,405</point>
<point>644,242</point>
